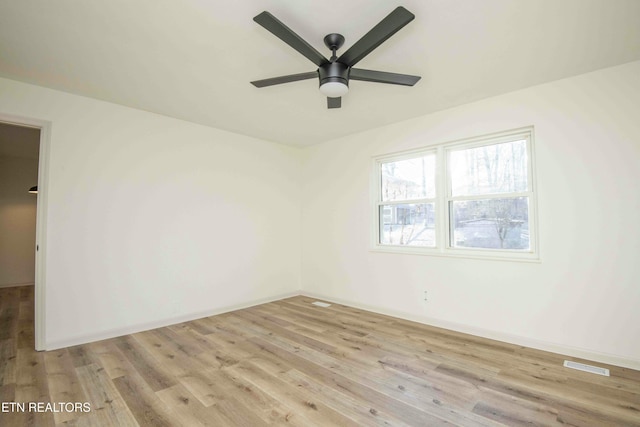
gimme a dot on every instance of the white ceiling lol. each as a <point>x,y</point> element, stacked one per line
<point>194,59</point>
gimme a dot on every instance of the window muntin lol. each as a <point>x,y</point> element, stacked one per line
<point>473,198</point>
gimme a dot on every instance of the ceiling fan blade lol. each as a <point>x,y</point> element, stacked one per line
<point>334,102</point>
<point>285,79</point>
<point>286,34</point>
<point>383,77</point>
<point>378,34</point>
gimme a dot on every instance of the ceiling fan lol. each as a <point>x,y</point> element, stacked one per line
<point>334,73</point>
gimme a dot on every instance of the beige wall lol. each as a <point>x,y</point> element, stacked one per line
<point>17,220</point>
<point>152,220</point>
<point>583,297</point>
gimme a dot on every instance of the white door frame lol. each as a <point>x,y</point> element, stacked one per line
<point>41,220</point>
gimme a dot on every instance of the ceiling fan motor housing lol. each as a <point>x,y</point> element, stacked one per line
<point>334,72</point>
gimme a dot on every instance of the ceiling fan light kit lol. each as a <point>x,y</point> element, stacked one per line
<point>334,79</point>
<point>334,89</point>
<point>334,73</point>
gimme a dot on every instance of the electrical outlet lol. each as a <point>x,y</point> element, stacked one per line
<point>425,297</point>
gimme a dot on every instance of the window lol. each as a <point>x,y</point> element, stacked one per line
<point>407,202</point>
<point>470,198</point>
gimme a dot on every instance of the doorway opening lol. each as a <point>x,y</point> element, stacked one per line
<point>22,212</point>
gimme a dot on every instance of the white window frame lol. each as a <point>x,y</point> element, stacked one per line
<point>444,198</point>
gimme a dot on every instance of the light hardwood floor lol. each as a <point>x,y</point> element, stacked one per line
<point>292,363</point>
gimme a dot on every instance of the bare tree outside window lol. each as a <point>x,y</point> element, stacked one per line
<point>495,171</point>
<point>482,206</point>
<point>491,223</point>
<point>407,217</point>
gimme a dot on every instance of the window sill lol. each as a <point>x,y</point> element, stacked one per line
<point>491,255</point>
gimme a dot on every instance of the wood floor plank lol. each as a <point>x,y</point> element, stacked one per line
<point>268,407</point>
<point>146,407</point>
<point>514,411</point>
<point>379,401</point>
<point>203,326</point>
<point>238,414</point>
<point>63,383</point>
<point>112,359</point>
<point>82,356</point>
<point>205,345</point>
<point>554,385</point>
<point>206,387</point>
<point>292,363</point>
<point>436,395</point>
<point>189,410</point>
<point>356,409</point>
<point>25,333</point>
<point>8,349</point>
<point>108,408</point>
<point>9,312</point>
<point>153,372</point>
<point>321,319</point>
<point>9,318</point>
<point>10,418</point>
<point>376,371</point>
<point>304,405</point>
<point>203,387</point>
<point>32,385</point>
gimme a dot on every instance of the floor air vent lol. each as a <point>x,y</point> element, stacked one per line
<point>321,304</point>
<point>586,368</point>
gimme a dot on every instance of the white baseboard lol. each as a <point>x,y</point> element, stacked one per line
<point>14,285</point>
<point>610,359</point>
<point>112,333</point>
<point>590,355</point>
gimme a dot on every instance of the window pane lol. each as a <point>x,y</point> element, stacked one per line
<point>410,224</point>
<point>491,169</point>
<point>409,179</point>
<point>490,224</point>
